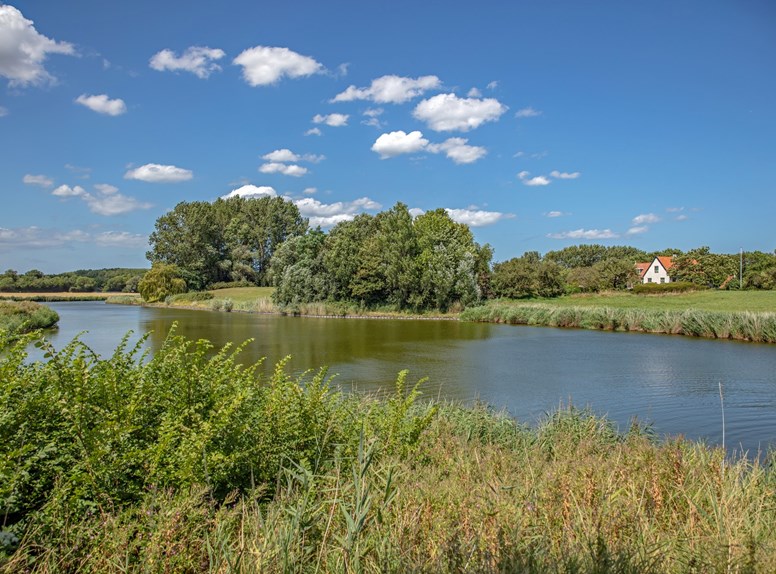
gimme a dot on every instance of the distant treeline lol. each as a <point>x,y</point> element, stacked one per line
<point>593,268</point>
<point>81,281</point>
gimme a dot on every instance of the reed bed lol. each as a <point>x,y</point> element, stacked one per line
<point>758,327</point>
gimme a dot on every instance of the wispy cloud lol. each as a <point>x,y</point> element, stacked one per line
<point>564,175</point>
<point>266,65</point>
<point>585,234</point>
<point>41,180</point>
<point>199,60</point>
<point>528,112</point>
<point>41,238</point>
<point>556,214</point>
<point>645,218</point>
<point>285,169</point>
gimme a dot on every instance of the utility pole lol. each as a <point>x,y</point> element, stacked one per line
<point>741,271</point>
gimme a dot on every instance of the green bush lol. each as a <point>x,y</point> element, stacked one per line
<point>657,288</point>
<point>18,317</point>
<point>230,285</point>
<point>160,282</point>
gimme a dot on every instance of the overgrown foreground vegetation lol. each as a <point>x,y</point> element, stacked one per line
<point>187,462</point>
<point>18,317</point>
<point>743,326</point>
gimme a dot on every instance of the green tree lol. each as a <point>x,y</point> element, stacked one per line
<point>160,281</point>
<point>298,272</point>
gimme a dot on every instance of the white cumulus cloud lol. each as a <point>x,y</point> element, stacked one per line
<point>332,120</point>
<point>398,142</point>
<point>107,201</point>
<point>265,65</point>
<point>390,90</point>
<point>328,214</point>
<point>585,234</point>
<point>477,217</point>
<point>156,173</point>
<point>458,150</point>
<point>285,169</point>
<point>285,155</point>
<point>102,104</point>
<point>67,191</point>
<point>199,60</point>
<point>23,50</point>
<point>448,112</point>
<point>313,132</point>
<point>40,180</point>
<point>638,230</point>
<point>555,213</point>
<point>539,180</point>
<point>250,191</point>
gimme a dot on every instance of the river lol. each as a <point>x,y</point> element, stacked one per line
<point>671,382</point>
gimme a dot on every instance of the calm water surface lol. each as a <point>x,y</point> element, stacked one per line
<point>669,381</point>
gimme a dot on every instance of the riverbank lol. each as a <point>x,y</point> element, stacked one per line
<point>58,297</point>
<point>18,317</point>
<point>209,471</point>
<point>758,327</point>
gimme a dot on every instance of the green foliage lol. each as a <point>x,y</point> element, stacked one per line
<point>81,281</point>
<point>160,282</point>
<point>587,255</point>
<point>80,434</point>
<point>229,285</point>
<point>429,262</point>
<point>526,277</point>
<point>17,317</point>
<point>701,267</point>
<point>656,288</point>
<point>224,241</point>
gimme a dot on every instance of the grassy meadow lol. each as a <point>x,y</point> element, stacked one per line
<point>189,462</point>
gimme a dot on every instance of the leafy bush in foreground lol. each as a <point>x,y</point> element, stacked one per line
<point>189,462</point>
<point>673,287</point>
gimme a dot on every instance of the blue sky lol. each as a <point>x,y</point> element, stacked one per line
<point>540,124</point>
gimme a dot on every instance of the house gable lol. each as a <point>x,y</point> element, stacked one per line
<point>655,271</point>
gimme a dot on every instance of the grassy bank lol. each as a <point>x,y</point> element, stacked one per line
<point>259,300</point>
<point>17,317</point>
<point>706,300</point>
<point>747,316</point>
<point>64,296</point>
<point>189,464</point>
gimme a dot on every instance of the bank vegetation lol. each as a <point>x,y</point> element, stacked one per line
<point>189,462</point>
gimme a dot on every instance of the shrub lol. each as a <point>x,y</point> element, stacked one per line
<point>190,297</point>
<point>230,284</point>
<point>657,288</point>
<point>161,281</point>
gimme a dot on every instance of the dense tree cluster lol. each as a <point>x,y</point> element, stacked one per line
<point>81,281</point>
<point>228,240</point>
<point>702,267</point>
<point>392,259</point>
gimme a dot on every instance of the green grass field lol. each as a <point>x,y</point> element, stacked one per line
<point>243,294</point>
<point>732,301</point>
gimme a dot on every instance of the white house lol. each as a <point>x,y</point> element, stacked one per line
<point>655,271</point>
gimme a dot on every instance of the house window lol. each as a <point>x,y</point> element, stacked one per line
<point>662,279</point>
<point>657,269</point>
<point>649,280</point>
